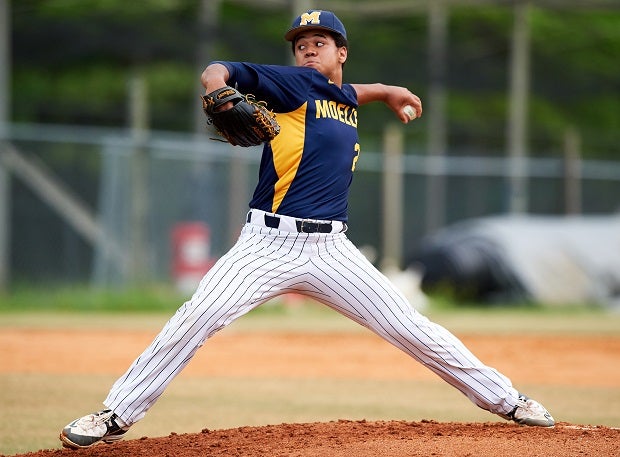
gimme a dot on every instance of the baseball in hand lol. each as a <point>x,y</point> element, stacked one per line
<point>410,112</point>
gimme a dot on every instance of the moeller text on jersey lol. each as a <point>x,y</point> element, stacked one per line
<point>339,111</point>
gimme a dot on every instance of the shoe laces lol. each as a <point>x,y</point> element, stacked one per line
<point>96,419</point>
<point>528,407</point>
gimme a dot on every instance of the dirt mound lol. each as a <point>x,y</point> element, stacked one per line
<point>362,438</point>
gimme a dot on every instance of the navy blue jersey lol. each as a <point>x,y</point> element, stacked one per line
<point>306,171</point>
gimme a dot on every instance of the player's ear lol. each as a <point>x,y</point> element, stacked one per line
<point>342,54</point>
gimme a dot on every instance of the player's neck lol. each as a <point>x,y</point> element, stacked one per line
<point>335,77</point>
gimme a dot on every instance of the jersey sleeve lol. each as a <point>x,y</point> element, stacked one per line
<point>350,91</point>
<point>283,88</point>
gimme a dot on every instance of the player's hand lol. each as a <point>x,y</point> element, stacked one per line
<point>399,98</point>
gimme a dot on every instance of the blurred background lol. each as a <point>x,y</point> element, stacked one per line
<point>508,188</point>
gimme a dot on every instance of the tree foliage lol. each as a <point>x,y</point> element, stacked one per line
<point>72,60</point>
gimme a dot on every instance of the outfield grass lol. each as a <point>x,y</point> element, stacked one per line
<point>83,306</point>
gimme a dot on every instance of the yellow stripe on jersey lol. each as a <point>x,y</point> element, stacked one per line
<point>288,148</point>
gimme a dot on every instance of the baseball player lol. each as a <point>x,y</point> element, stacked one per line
<point>294,240</point>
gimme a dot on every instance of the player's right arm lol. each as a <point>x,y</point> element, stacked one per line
<point>395,97</point>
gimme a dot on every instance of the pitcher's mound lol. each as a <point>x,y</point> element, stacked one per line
<point>370,439</point>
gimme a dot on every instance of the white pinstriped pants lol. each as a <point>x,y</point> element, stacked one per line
<point>267,262</point>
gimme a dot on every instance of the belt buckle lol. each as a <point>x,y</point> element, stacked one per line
<point>306,226</point>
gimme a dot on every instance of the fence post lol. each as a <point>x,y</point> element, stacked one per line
<point>517,121</point>
<point>238,191</point>
<point>572,172</point>
<point>392,217</point>
<point>5,103</point>
<point>437,125</point>
<point>138,111</point>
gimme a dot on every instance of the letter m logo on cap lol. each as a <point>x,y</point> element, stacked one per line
<point>311,17</point>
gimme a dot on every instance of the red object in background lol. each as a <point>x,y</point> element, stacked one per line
<point>191,254</point>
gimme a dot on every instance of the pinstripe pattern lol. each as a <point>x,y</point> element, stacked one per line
<point>265,263</point>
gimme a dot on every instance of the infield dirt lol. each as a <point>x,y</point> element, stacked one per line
<point>358,355</point>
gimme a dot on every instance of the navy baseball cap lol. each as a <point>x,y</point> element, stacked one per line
<point>316,19</point>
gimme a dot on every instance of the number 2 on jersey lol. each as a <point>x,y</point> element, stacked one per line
<point>357,150</point>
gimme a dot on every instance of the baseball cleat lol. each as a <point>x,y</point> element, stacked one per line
<point>90,429</point>
<point>530,412</point>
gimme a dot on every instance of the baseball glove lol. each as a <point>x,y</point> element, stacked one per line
<point>247,123</point>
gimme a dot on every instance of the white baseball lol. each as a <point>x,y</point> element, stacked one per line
<point>409,111</point>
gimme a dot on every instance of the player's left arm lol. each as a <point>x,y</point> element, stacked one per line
<point>214,77</point>
<point>395,97</point>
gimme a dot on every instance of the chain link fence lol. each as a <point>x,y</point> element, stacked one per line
<point>102,205</point>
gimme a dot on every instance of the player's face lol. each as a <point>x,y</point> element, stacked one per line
<point>317,49</point>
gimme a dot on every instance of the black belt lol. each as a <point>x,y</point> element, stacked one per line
<point>303,226</point>
<point>313,227</point>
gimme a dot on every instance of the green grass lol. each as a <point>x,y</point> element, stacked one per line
<point>88,299</point>
<point>71,306</point>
